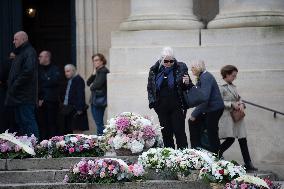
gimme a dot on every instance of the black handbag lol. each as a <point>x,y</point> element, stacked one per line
<point>194,97</point>
<point>100,99</point>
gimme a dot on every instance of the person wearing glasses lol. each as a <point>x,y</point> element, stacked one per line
<point>166,82</point>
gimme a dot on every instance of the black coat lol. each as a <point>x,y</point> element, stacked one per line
<point>23,77</point>
<point>76,97</point>
<point>98,83</point>
<point>180,69</point>
<point>49,83</point>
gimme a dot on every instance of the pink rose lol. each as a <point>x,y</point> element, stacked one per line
<point>71,150</point>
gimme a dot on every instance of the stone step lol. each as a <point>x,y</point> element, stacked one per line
<point>32,176</point>
<point>51,163</point>
<point>154,184</point>
<point>52,176</point>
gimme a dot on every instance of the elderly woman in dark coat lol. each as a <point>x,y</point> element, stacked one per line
<point>166,82</point>
<point>209,112</point>
<point>74,109</point>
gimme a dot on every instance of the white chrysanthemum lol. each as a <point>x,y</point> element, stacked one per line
<point>73,139</point>
<point>136,146</point>
<point>117,142</point>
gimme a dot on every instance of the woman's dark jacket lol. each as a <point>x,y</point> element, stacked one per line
<point>98,83</point>
<point>179,69</point>
<point>23,77</point>
<point>76,97</point>
<point>49,82</point>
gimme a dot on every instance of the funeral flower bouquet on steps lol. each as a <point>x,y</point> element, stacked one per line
<point>248,182</point>
<point>106,170</point>
<point>75,145</point>
<point>131,133</point>
<point>12,146</point>
<point>188,163</point>
<point>221,172</point>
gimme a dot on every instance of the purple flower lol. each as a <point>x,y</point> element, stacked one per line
<point>4,147</point>
<point>148,132</point>
<point>122,123</point>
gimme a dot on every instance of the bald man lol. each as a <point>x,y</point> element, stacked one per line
<point>49,83</point>
<point>22,85</point>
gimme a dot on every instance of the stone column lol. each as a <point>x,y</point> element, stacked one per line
<point>161,15</point>
<point>86,35</point>
<point>248,13</point>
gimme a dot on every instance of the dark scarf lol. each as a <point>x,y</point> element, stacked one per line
<point>165,72</point>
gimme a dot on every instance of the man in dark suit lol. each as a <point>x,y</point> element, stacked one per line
<point>49,82</point>
<point>74,106</point>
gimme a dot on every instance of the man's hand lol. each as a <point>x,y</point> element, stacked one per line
<point>40,102</point>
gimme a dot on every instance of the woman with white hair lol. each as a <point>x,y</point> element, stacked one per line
<point>166,82</point>
<point>207,113</point>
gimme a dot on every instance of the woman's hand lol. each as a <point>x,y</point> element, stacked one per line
<point>192,118</point>
<point>241,107</point>
<point>235,105</point>
<point>186,79</point>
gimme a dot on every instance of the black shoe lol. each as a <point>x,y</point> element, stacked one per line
<point>250,168</point>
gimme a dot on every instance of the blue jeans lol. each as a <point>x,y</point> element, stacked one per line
<point>98,115</point>
<point>26,120</point>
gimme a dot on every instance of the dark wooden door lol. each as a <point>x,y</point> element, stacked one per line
<point>52,28</point>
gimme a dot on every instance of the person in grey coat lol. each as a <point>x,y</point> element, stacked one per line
<point>210,111</point>
<point>228,129</point>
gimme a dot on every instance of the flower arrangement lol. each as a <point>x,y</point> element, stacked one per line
<point>158,158</point>
<point>132,132</point>
<point>12,146</point>
<point>188,160</point>
<point>106,170</point>
<point>247,182</point>
<point>221,172</point>
<point>70,146</point>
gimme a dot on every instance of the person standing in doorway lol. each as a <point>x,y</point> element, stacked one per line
<point>49,80</point>
<point>22,85</point>
<point>98,85</point>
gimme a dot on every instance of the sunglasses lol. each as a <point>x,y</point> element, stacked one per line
<point>169,61</point>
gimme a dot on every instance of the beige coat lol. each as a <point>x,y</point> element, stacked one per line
<point>227,128</point>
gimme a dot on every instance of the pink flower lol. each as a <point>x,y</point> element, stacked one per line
<point>17,148</point>
<point>244,186</point>
<point>4,147</point>
<point>110,167</point>
<point>148,132</point>
<point>122,123</point>
<point>71,150</point>
<point>81,148</point>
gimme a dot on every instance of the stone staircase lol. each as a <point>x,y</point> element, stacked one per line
<point>36,173</point>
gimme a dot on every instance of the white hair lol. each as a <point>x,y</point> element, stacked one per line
<point>199,65</point>
<point>167,52</point>
<point>71,66</point>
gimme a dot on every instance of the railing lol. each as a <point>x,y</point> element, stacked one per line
<point>265,108</point>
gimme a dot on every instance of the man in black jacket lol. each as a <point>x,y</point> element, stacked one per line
<point>49,77</point>
<point>22,85</point>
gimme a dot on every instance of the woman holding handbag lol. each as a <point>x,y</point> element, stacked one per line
<point>231,124</point>
<point>98,85</point>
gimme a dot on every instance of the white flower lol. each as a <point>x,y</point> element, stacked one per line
<point>73,139</point>
<point>117,142</point>
<point>136,146</point>
<point>76,170</point>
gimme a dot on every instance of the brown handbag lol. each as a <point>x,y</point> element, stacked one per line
<point>237,115</point>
